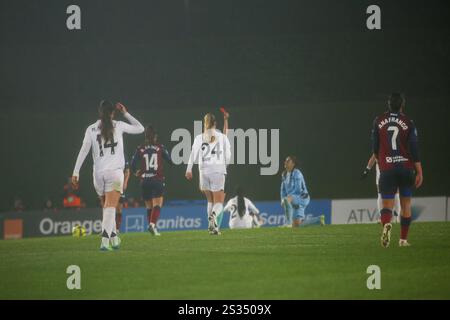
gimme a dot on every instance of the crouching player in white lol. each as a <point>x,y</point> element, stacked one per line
<point>105,138</point>
<point>211,150</point>
<point>295,197</point>
<point>243,213</point>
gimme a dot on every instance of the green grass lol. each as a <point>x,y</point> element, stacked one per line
<point>273,263</point>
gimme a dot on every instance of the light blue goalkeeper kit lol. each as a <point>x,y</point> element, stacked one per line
<point>293,184</point>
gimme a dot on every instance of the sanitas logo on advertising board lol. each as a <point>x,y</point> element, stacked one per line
<point>179,223</point>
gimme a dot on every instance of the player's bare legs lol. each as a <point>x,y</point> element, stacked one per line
<point>405,203</point>
<point>111,199</point>
<point>149,207</point>
<point>388,203</point>
<point>218,196</point>
<point>208,194</point>
<point>386,216</point>
<point>118,216</point>
<point>157,201</point>
<point>154,209</point>
<point>405,220</point>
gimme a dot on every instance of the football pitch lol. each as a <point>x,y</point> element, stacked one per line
<point>269,263</point>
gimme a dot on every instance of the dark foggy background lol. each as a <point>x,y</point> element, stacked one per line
<point>309,68</point>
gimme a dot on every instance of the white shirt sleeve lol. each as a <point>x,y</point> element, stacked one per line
<point>251,207</point>
<point>85,148</point>
<point>135,127</point>
<point>193,157</point>
<point>228,206</point>
<point>227,150</point>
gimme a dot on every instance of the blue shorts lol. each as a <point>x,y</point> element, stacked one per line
<point>396,179</point>
<point>299,205</point>
<point>152,188</point>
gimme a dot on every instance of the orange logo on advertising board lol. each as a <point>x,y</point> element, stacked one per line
<point>13,229</point>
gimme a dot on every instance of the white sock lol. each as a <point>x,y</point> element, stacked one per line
<point>397,206</point>
<point>105,235</point>
<point>379,204</point>
<point>109,220</point>
<point>115,227</point>
<point>217,208</point>
<point>209,210</point>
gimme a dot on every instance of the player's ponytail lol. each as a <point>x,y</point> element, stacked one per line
<point>209,126</point>
<point>151,137</point>
<point>240,201</point>
<point>105,110</point>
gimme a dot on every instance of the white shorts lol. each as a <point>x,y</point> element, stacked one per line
<point>245,222</point>
<point>212,181</point>
<point>106,181</point>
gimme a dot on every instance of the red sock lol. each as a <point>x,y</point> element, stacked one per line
<point>118,221</point>
<point>386,216</point>
<point>155,214</point>
<point>149,215</point>
<point>404,222</point>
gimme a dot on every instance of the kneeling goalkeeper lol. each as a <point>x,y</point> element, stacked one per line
<point>295,197</point>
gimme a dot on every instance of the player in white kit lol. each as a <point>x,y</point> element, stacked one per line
<point>397,206</point>
<point>105,139</point>
<point>243,213</point>
<point>211,151</point>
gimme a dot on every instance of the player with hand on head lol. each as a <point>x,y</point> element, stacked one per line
<point>294,196</point>
<point>397,207</point>
<point>394,142</point>
<point>211,150</point>
<point>105,138</point>
<point>147,164</point>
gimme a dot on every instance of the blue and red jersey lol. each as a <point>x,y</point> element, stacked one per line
<point>394,141</point>
<point>149,160</point>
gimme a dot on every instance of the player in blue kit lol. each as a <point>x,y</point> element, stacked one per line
<point>294,196</point>
<point>147,164</point>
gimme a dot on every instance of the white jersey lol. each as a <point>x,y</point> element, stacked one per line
<point>236,221</point>
<point>212,157</point>
<point>106,156</point>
